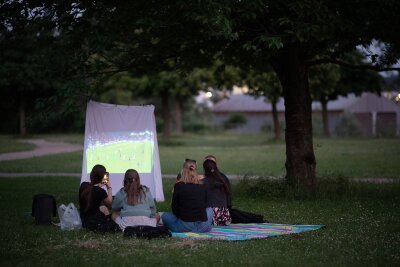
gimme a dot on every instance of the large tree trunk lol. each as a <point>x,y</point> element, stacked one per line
<point>22,116</point>
<point>178,116</point>
<point>166,117</point>
<point>277,126</point>
<point>325,123</point>
<point>290,67</point>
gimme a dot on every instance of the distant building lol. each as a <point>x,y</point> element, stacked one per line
<point>257,111</point>
<point>374,115</point>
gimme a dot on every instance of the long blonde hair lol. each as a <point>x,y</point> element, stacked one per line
<point>188,173</point>
<point>132,187</point>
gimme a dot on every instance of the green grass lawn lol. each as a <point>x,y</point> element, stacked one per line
<point>10,144</point>
<point>362,220</point>
<point>362,229</point>
<point>68,138</point>
<point>245,154</point>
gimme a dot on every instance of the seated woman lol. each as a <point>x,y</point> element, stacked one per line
<point>94,202</point>
<point>218,189</point>
<point>133,204</point>
<point>189,213</point>
<point>188,161</point>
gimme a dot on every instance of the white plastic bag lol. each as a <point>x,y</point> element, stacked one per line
<point>69,217</point>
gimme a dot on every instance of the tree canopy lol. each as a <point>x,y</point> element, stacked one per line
<point>89,40</point>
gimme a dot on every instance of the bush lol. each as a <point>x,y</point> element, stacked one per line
<point>261,187</point>
<point>347,126</point>
<point>266,128</point>
<point>50,122</point>
<point>385,129</point>
<point>195,126</point>
<point>267,188</point>
<point>235,120</point>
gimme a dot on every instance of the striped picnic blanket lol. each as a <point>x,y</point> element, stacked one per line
<point>235,232</point>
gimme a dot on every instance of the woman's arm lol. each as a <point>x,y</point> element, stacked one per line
<point>175,202</point>
<point>117,202</point>
<point>150,201</point>
<point>108,200</point>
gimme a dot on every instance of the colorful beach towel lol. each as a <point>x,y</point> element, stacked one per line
<point>236,232</point>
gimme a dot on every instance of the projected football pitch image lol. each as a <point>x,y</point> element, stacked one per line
<point>120,156</point>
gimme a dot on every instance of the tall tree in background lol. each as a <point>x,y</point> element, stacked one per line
<point>24,37</point>
<point>217,76</point>
<point>323,81</point>
<point>357,81</point>
<point>295,35</point>
<point>144,37</point>
<point>199,79</point>
<point>328,81</point>
<point>40,58</point>
<point>156,42</point>
<point>392,82</point>
<point>267,84</point>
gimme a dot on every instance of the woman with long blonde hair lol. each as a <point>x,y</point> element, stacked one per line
<point>133,204</point>
<point>189,172</point>
<point>189,200</point>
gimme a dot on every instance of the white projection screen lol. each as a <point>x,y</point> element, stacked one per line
<point>120,138</point>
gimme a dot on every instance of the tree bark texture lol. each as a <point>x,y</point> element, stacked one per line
<point>22,116</point>
<point>178,116</point>
<point>166,117</point>
<point>325,122</point>
<point>277,126</point>
<point>290,67</point>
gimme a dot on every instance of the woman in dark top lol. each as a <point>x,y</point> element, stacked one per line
<point>218,189</point>
<point>94,201</point>
<point>189,213</point>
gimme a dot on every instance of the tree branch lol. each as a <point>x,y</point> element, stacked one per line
<point>349,65</point>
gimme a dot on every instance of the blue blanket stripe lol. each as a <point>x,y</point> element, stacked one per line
<point>235,232</point>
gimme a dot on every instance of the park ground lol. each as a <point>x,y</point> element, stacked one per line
<point>361,219</point>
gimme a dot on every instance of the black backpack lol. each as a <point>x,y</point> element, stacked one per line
<point>44,208</point>
<point>147,232</point>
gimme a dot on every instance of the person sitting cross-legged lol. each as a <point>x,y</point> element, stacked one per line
<point>219,191</point>
<point>133,204</point>
<point>94,202</point>
<point>214,158</point>
<point>189,199</point>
